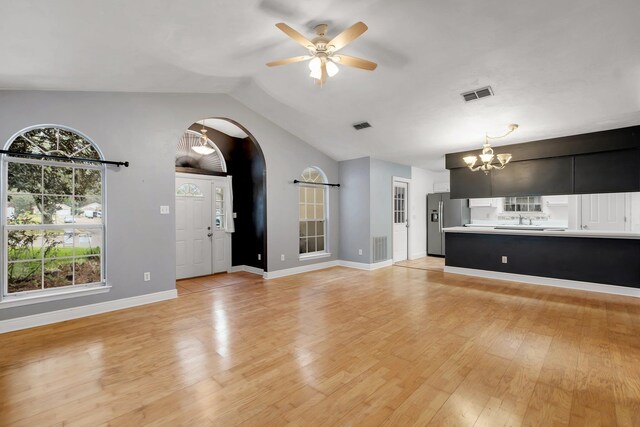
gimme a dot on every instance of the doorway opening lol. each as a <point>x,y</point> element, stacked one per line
<point>220,193</point>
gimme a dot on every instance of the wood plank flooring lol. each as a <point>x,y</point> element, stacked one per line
<point>424,263</point>
<point>393,347</point>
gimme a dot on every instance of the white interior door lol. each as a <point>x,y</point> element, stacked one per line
<point>400,221</point>
<point>221,239</point>
<point>193,227</point>
<point>604,212</point>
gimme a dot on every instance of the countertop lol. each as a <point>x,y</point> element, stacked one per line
<point>550,232</point>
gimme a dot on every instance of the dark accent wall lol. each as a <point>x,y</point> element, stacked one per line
<point>598,162</point>
<point>246,164</point>
<point>596,260</point>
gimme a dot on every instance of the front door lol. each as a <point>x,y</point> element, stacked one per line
<point>604,212</point>
<point>193,227</point>
<point>400,221</point>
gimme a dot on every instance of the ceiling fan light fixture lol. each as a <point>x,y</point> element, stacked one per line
<point>315,64</point>
<point>332,69</point>
<point>316,74</point>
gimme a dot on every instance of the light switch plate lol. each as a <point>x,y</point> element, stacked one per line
<point>147,276</point>
<point>504,259</point>
<point>164,210</point>
<point>235,215</point>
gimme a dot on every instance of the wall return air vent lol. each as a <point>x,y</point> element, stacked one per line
<point>477,93</point>
<point>363,125</point>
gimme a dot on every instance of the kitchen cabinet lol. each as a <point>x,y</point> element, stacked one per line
<point>534,178</point>
<point>483,203</point>
<point>609,172</point>
<point>466,184</point>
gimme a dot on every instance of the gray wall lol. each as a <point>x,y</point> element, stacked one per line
<point>366,202</point>
<point>144,129</point>
<point>354,210</point>
<point>382,174</point>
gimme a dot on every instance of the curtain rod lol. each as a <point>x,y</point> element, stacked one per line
<point>79,159</point>
<point>295,181</point>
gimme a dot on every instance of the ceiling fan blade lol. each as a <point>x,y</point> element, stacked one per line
<point>352,61</point>
<point>288,60</point>
<point>347,36</point>
<point>296,36</point>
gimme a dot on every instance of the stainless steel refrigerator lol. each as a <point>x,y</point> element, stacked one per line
<point>443,212</point>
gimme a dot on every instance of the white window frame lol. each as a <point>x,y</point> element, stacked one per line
<point>325,252</point>
<point>71,291</point>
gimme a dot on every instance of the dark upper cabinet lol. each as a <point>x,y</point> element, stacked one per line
<point>466,184</point>
<point>609,172</point>
<point>533,177</point>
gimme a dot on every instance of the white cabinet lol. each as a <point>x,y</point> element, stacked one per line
<point>556,200</point>
<point>482,203</point>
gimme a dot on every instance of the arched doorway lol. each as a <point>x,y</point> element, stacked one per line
<point>235,166</point>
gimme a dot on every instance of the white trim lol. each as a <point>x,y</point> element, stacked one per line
<point>418,255</point>
<point>546,281</point>
<point>18,300</point>
<point>245,268</point>
<point>314,255</point>
<point>365,266</point>
<point>302,269</point>
<point>83,311</point>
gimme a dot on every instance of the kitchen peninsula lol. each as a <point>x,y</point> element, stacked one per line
<point>567,258</point>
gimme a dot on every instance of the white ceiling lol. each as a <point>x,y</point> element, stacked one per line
<point>225,127</point>
<point>557,67</point>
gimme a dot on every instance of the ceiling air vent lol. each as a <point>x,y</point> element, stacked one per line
<point>362,125</point>
<point>477,94</point>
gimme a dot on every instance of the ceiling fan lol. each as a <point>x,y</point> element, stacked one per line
<point>322,51</point>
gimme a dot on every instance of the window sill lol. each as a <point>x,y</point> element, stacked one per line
<point>17,301</point>
<point>314,256</point>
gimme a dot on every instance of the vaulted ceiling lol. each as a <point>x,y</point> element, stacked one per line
<point>557,67</point>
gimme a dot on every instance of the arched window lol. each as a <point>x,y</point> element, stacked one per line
<point>312,213</point>
<point>53,217</point>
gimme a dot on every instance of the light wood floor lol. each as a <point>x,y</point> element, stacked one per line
<point>397,346</point>
<point>424,263</point>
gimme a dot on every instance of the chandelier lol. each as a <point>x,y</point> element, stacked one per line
<point>204,148</point>
<point>487,156</point>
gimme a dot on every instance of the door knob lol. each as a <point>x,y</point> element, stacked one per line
<point>209,234</point>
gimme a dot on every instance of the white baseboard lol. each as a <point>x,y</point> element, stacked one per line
<point>83,311</point>
<point>365,266</point>
<point>546,281</point>
<point>246,268</point>
<point>301,269</point>
<point>418,255</point>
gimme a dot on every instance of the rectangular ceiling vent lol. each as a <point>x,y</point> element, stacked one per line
<point>477,94</point>
<point>363,125</point>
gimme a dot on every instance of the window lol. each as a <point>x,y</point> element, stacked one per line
<point>523,204</point>
<point>53,222</point>
<point>220,208</point>
<point>399,205</point>
<point>312,213</point>
<point>189,190</point>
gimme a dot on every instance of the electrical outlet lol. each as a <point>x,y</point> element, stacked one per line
<point>359,251</point>
<point>259,257</point>
<point>504,259</point>
<point>164,210</point>
<point>235,215</point>
<point>147,276</point>
<point>282,257</point>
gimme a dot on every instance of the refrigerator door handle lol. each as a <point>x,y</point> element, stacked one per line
<point>440,216</point>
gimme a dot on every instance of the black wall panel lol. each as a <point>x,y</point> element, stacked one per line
<point>597,260</point>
